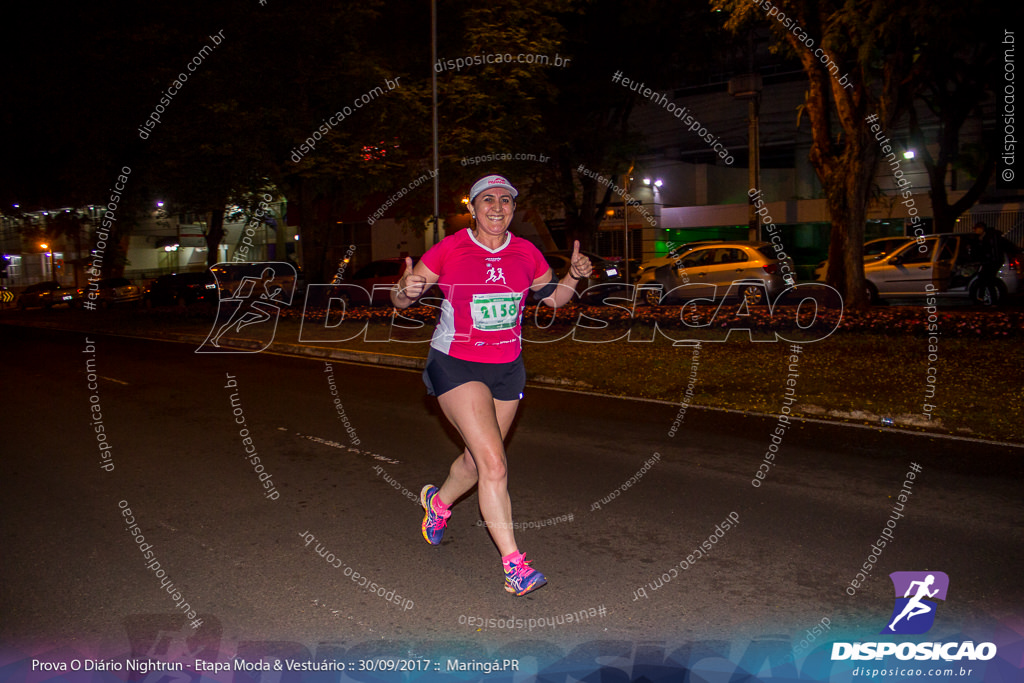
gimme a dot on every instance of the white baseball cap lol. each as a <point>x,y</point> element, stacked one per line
<point>491,181</point>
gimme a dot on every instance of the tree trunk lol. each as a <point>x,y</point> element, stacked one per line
<point>214,234</point>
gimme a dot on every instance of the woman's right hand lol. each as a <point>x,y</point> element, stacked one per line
<point>411,285</point>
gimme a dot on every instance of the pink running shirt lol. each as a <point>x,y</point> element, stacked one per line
<point>484,292</point>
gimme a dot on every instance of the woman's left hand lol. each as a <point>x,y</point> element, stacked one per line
<point>579,265</point>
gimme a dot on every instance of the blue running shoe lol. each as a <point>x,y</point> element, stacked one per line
<point>521,579</point>
<point>433,523</point>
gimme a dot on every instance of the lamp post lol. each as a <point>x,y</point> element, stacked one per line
<point>625,221</point>
<point>433,89</point>
<point>49,254</point>
<point>748,87</point>
<point>655,185</point>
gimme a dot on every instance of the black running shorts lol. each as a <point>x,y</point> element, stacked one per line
<point>443,373</point>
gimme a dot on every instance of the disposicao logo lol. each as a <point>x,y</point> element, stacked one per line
<point>914,613</point>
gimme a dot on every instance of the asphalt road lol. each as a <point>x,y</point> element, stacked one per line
<point>237,552</point>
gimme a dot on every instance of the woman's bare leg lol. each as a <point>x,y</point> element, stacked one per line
<point>483,422</point>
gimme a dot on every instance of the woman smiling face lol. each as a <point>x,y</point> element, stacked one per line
<point>492,210</point>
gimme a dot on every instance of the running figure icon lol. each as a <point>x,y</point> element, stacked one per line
<point>915,606</point>
<point>254,306</point>
<point>495,275</point>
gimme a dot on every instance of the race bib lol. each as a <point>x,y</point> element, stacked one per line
<point>495,311</point>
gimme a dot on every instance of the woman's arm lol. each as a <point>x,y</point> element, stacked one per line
<point>579,268</point>
<point>414,281</point>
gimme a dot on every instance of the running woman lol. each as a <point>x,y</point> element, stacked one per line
<point>475,367</point>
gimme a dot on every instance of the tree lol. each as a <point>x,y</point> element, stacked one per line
<point>961,69</point>
<point>869,54</point>
<point>665,44</point>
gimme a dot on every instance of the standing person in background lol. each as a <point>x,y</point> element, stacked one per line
<point>990,250</point>
<point>475,366</point>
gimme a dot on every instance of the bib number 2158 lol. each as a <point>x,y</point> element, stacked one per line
<point>495,311</point>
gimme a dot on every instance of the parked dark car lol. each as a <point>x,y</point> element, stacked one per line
<point>47,295</point>
<point>373,283</point>
<point>606,274</point>
<point>376,279</point>
<point>230,276</point>
<point>112,291</point>
<point>182,289</point>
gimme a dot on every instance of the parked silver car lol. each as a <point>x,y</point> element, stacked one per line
<point>945,262</point>
<point>113,291</point>
<point>645,274</point>
<point>873,250</point>
<point>709,271</point>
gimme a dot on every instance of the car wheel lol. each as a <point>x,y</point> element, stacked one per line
<point>652,296</point>
<point>872,293</point>
<point>987,295</point>
<point>754,295</point>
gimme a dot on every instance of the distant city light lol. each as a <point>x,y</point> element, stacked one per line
<point>909,154</point>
